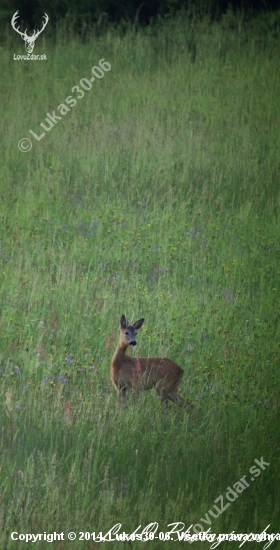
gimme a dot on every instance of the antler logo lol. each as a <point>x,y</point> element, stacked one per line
<point>29,40</point>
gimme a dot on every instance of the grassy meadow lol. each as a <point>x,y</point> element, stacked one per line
<point>157,195</point>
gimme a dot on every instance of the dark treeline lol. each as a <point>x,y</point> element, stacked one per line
<point>82,14</point>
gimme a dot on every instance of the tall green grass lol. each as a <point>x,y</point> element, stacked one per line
<point>156,196</point>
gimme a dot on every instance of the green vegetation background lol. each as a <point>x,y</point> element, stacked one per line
<point>157,195</point>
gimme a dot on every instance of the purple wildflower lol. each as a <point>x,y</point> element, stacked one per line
<point>124,487</point>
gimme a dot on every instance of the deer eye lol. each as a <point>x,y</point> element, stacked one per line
<point>126,333</point>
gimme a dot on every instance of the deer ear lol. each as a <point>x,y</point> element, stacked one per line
<point>138,324</point>
<point>123,322</point>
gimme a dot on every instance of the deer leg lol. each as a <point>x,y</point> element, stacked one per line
<point>162,393</point>
<point>164,400</point>
<point>174,395</point>
<point>122,393</point>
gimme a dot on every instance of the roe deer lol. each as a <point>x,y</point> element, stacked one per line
<point>143,373</point>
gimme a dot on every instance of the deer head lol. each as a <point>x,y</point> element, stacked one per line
<point>29,40</point>
<point>128,332</point>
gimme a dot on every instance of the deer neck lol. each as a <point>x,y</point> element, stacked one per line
<point>120,352</point>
